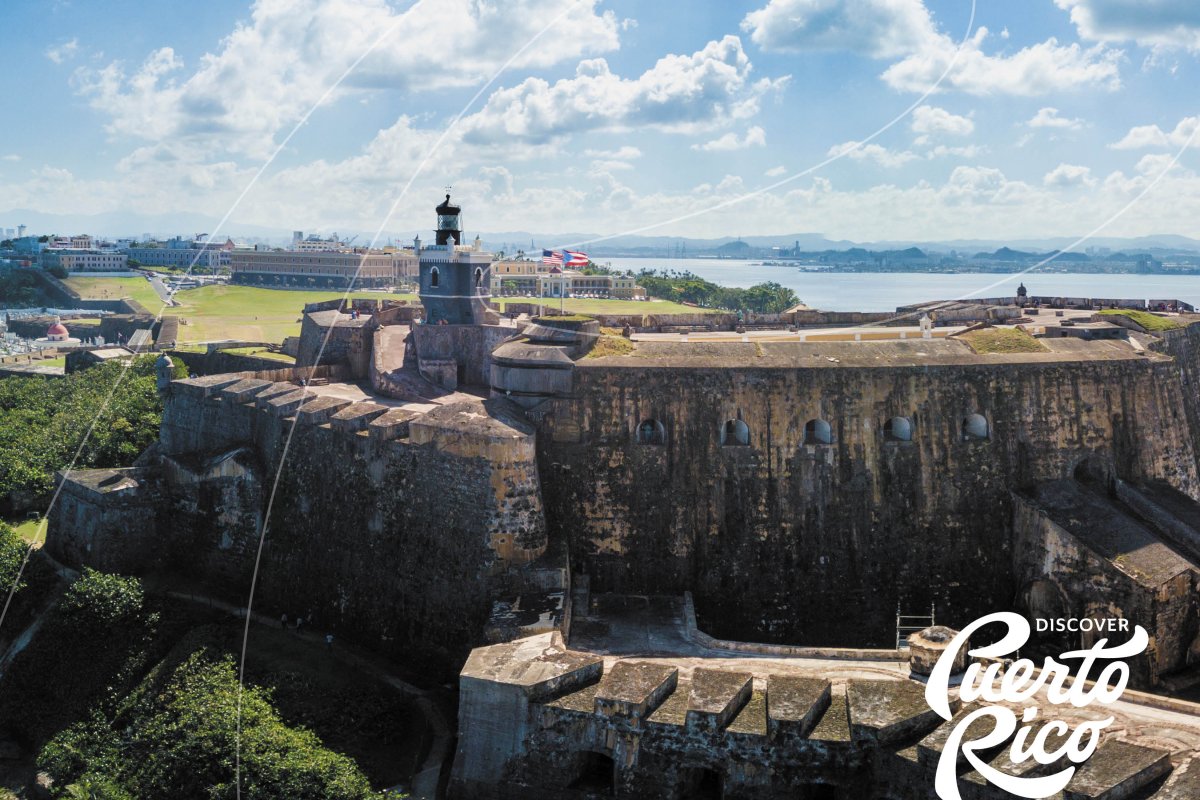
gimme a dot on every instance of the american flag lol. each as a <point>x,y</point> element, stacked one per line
<point>552,257</point>
<point>565,258</point>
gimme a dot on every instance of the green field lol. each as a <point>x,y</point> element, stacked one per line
<point>269,315</point>
<point>249,313</point>
<point>581,306</point>
<point>115,288</point>
<point>1151,322</point>
<point>1002,340</point>
<point>31,530</point>
<point>260,352</point>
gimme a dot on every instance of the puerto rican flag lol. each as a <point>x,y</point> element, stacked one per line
<point>573,258</point>
<point>552,258</point>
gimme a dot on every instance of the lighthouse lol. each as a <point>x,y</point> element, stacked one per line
<point>455,280</point>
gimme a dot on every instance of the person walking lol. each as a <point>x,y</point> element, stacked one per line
<point>283,621</point>
<point>329,641</point>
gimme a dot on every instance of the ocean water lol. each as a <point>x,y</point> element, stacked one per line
<point>884,291</point>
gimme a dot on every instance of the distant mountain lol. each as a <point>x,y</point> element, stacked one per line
<point>117,225</point>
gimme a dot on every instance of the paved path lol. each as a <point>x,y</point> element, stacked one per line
<point>163,292</point>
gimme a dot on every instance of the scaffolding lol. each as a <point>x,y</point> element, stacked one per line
<point>908,624</point>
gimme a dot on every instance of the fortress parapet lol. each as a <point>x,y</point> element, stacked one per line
<point>540,720</point>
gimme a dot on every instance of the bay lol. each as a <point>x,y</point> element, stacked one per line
<point>884,291</point>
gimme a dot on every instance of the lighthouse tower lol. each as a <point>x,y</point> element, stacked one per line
<point>455,280</point>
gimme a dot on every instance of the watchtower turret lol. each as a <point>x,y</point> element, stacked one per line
<point>455,281</point>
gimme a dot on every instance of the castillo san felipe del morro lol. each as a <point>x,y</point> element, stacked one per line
<point>719,561</point>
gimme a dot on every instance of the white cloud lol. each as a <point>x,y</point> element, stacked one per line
<point>1066,176</point>
<point>270,70</point>
<point>1038,69</point>
<point>967,151</point>
<point>755,137</point>
<point>680,93</point>
<point>1159,23</point>
<point>10,157</point>
<point>929,120</point>
<point>1048,118</point>
<point>775,172</point>
<point>63,52</point>
<point>1155,163</point>
<point>904,29</point>
<point>1153,136</point>
<point>873,152</point>
<point>624,153</point>
<point>874,28</point>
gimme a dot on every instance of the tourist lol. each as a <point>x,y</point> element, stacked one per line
<point>299,622</point>
<point>283,621</point>
<point>329,641</point>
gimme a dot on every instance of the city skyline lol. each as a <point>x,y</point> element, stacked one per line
<point>1055,115</point>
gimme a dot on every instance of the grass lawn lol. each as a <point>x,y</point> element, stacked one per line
<point>61,361</point>
<point>608,345</point>
<point>250,313</point>
<point>223,312</point>
<point>269,315</point>
<point>1151,322</point>
<point>94,288</point>
<point>576,305</point>
<point>260,352</point>
<point>1002,340</point>
<point>28,529</point>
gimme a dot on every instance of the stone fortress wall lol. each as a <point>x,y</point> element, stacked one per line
<point>770,535</point>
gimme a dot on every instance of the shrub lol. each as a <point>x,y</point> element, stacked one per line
<point>88,651</point>
<point>180,741</point>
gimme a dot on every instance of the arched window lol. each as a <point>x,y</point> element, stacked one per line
<point>974,428</point>
<point>735,433</point>
<point>478,277</point>
<point>898,429</point>
<point>651,431</point>
<point>817,431</point>
<point>434,278</point>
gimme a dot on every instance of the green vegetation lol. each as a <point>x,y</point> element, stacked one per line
<point>611,346</point>
<point>765,298</point>
<point>1002,340</point>
<point>578,305</point>
<point>90,645</point>
<point>19,290</point>
<point>250,313</point>
<point>31,529</point>
<point>260,352</point>
<point>43,421</point>
<point>566,318</point>
<point>176,735</point>
<point>107,725</point>
<point>109,288</point>
<point>1151,322</point>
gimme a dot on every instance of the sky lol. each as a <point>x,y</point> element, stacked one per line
<point>855,119</point>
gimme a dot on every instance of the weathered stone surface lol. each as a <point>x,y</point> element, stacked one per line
<point>715,697</point>
<point>926,647</point>
<point>1184,783</point>
<point>795,704</point>
<point>633,689</point>
<point>1116,771</point>
<point>889,711</point>
<point>794,529</point>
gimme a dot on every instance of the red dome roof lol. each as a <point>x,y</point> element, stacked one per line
<point>57,329</point>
